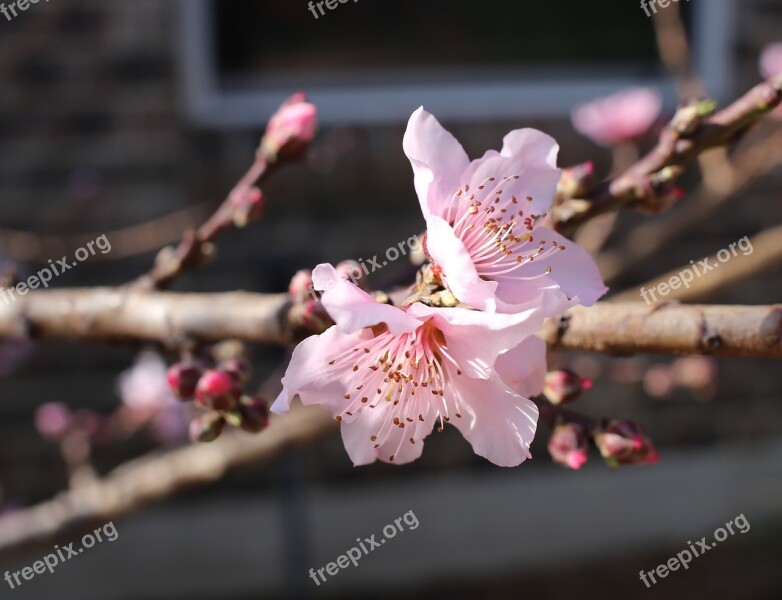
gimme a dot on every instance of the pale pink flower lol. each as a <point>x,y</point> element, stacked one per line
<point>484,235</point>
<point>389,374</point>
<point>618,118</point>
<point>144,388</point>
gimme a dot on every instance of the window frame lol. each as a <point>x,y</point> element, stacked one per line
<point>207,105</point>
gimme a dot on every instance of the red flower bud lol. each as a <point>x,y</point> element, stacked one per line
<point>291,129</point>
<point>300,287</point>
<point>238,367</point>
<point>569,445</point>
<point>564,386</point>
<point>625,443</point>
<point>206,428</point>
<point>217,390</point>
<point>183,378</point>
<point>255,414</point>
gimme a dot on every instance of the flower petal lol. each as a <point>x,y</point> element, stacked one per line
<point>392,440</point>
<point>526,167</point>
<point>353,309</point>
<point>573,270</point>
<point>438,161</point>
<point>523,368</point>
<point>309,375</point>
<point>499,424</point>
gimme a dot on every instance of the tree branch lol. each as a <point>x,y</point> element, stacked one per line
<point>640,184</point>
<point>173,319</point>
<point>154,478</point>
<point>671,328</point>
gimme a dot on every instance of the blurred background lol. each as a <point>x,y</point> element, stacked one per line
<point>133,119</point>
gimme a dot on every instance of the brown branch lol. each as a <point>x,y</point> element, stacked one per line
<point>175,319</point>
<point>643,183</point>
<point>154,478</point>
<point>672,328</point>
<point>127,315</point>
<point>766,255</point>
<point>196,246</point>
<point>653,236</point>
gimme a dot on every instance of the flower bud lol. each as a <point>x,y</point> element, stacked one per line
<point>577,181</point>
<point>239,367</point>
<point>183,378</point>
<point>255,414</point>
<point>352,271</point>
<point>291,129</point>
<point>247,206</point>
<point>207,427</point>
<point>569,445</point>
<point>625,443</point>
<point>217,390</point>
<point>563,386</point>
<point>52,420</point>
<point>300,287</point>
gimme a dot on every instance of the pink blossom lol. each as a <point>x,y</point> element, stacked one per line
<point>144,387</point>
<point>389,374</point>
<point>618,118</point>
<point>484,233</point>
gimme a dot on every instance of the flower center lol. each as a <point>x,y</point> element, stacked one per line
<point>408,372</point>
<point>487,221</point>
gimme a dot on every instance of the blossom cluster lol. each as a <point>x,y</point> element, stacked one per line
<point>464,353</point>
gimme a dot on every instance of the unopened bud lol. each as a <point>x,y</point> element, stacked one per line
<point>310,317</point>
<point>569,445</point>
<point>247,206</point>
<point>300,287</point>
<point>577,181</point>
<point>688,118</point>
<point>255,414</point>
<point>352,271</point>
<point>291,129</point>
<point>625,443</point>
<point>217,390</point>
<point>183,378</point>
<point>52,420</point>
<point>206,428</point>
<point>563,386</point>
<point>239,367</point>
